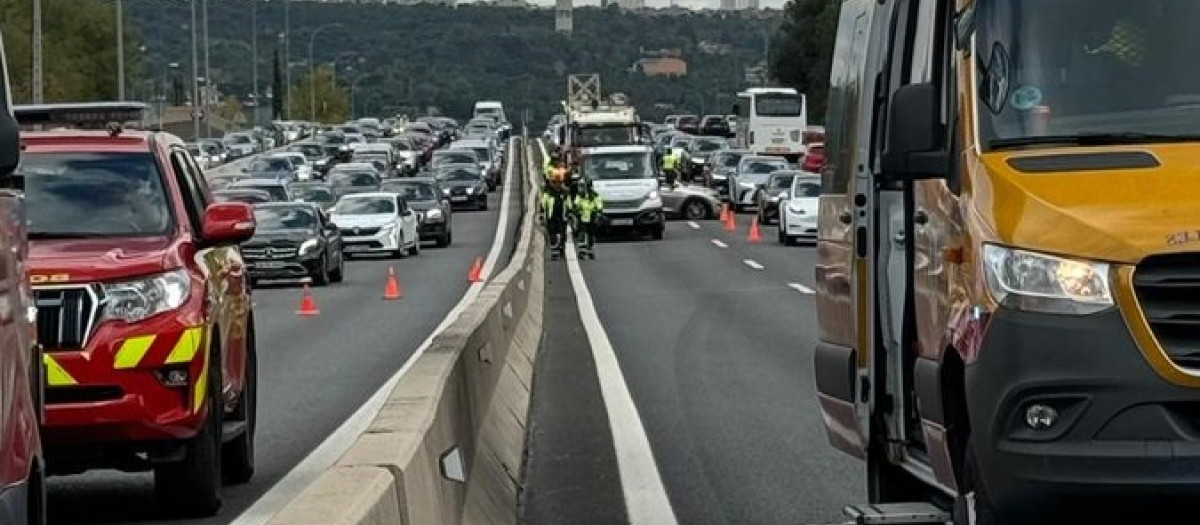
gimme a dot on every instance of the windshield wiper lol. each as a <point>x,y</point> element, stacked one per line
<point>1093,139</point>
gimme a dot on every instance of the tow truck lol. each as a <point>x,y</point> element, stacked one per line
<point>22,468</point>
<point>144,307</point>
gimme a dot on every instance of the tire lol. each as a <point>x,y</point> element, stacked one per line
<point>974,496</point>
<point>444,240</point>
<point>35,506</point>
<point>191,487</point>
<point>783,238</point>
<point>338,274</point>
<point>657,232</point>
<point>415,250</point>
<point>321,276</point>
<point>237,456</point>
<point>483,206</point>
<point>399,253</point>
<point>695,210</point>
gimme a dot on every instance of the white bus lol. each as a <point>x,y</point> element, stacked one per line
<point>490,108</point>
<point>772,121</point>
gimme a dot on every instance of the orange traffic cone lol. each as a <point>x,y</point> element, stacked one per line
<point>308,305</point>
<point>730,220</point>
<point>725,213</point>
<point>392,291</point>
<point>476,271</point>
<point>755,233</point>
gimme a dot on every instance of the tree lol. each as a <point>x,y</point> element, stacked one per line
<point>331,102</point>
<point>802,53</point>
<point>231,110</point>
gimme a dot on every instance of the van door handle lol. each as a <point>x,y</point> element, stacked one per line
<point>846,217</point>
<point>920,218</point>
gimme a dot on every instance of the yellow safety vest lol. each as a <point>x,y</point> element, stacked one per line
<point>588,206</point>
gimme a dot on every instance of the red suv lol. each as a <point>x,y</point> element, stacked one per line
<point>144,311</point>
<point>22,490</point>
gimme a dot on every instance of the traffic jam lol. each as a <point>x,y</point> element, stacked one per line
<point>132,263</point>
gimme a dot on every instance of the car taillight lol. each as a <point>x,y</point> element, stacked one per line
<point>795,136</point>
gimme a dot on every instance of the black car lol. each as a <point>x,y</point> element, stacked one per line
<point>348,182</point>
<point>322,194</point>
<point>277,188</point>
<point>464,185</point>
<point>700,149</point>
<point>688,124</point>
<point>294,240</point>
<point>715,126</point>
<point>778,184</point>
<point>434,211</point>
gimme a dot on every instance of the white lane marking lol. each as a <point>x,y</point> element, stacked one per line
<point>753,264</point>
<point>801,288</point>
<point>327,453</point>
<point>719,243</point>
<point>646,500</point>
<point>694,225</point>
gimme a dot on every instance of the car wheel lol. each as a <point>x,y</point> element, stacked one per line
<point>338,274</point>
<point>783,238</point>
<point>973,500</point>
<point>657,232</point>
<point>320,277</point>
<point>444,240</point>
<point>415,250</point>
<point>191,487</point>
<point>237,456</point>
<point>695,210</point>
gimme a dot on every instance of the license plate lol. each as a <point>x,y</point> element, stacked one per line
<point>268,265</point>
<point>458,198</point>
<point>622,222</point>
<point>777,150</point>
<point>777,141</point>
<point>357,248</point>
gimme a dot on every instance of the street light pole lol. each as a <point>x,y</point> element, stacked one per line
<point>120,51</point>
<point>254,52</point>
<point>195,78</point>
<point>37,52</point>
<point>208,81</point>
<point>312,71</point>
<point>287,59</point>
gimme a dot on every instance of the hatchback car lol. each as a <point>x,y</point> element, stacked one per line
<point>377,222</point>
<point>464,185</point>
<point>433,210</point>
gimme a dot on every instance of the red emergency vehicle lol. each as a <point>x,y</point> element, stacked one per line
<point>22,490</point>
<point>144,309</point>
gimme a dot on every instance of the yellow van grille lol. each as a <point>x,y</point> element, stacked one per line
<point>1168,288</point>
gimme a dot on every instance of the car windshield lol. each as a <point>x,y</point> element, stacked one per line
<point>1089,69</point>
<point>459,175</point>
<point>94,194</point>
<point>353,178</point>
<point>802,187</point>
<point>365,205</point>
<point>311,151</point>
<point>321,194</point>
<point>278,191</point>
<point>762,167</point>
<point>707,146</point>
<point>781,182</point>
<point>484,154</point>
<point>731,160</point>
<point>284,218</point>
<point>269,165</point>
<point>413,191</point>
<point>588,137</point>
<point>456,158</point>
<point>618,166</point>
<point>778,105</point>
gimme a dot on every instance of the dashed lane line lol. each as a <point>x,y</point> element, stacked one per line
<point>719,243</point>
<point>753,264</point>
<point>801,288</point>
<point>693,225</point>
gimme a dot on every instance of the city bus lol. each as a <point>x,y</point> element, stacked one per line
<point>772,121</point>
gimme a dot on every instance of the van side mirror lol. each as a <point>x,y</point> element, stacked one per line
<point>914,147</point>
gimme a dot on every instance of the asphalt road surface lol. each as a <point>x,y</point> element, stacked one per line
<point>315,371</point>
<point>714,340</point>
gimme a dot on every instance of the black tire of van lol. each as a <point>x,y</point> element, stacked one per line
<point>973,489</point>
<point>191,487</point>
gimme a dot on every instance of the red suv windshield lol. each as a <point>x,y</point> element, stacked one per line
<point>94,194</point>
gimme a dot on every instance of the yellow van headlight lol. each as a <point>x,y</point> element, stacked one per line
<point>1038,282</point>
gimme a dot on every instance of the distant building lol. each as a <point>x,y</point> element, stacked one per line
<point>562,16</point>
<point>739,5</point>
<point>661,67</point>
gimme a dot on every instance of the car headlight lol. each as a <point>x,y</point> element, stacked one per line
<point>433,213</point>
<point>1037,282</point>
<point>652,195</point>
<point>132,301</point>
<point>446,191</point>
<point>308,247</point>
<point>470,190</point>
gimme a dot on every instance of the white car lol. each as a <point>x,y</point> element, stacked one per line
<point>304,169</point>
<point>240,144</point>
<point>798,210</point>
<point>377,222</point>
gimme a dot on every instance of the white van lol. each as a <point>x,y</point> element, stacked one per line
<point>626,178</point>
<point>490,108</point>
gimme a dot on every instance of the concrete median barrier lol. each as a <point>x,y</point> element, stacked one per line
<point>447,446</point>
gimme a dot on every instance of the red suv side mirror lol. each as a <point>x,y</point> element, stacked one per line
<point>228,223</point>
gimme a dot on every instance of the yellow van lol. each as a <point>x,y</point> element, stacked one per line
<point>1008,263</point>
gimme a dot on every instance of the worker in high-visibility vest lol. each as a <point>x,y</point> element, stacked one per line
<point>670,166</point>
<point>556,208</point>
<point>588,207</point>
